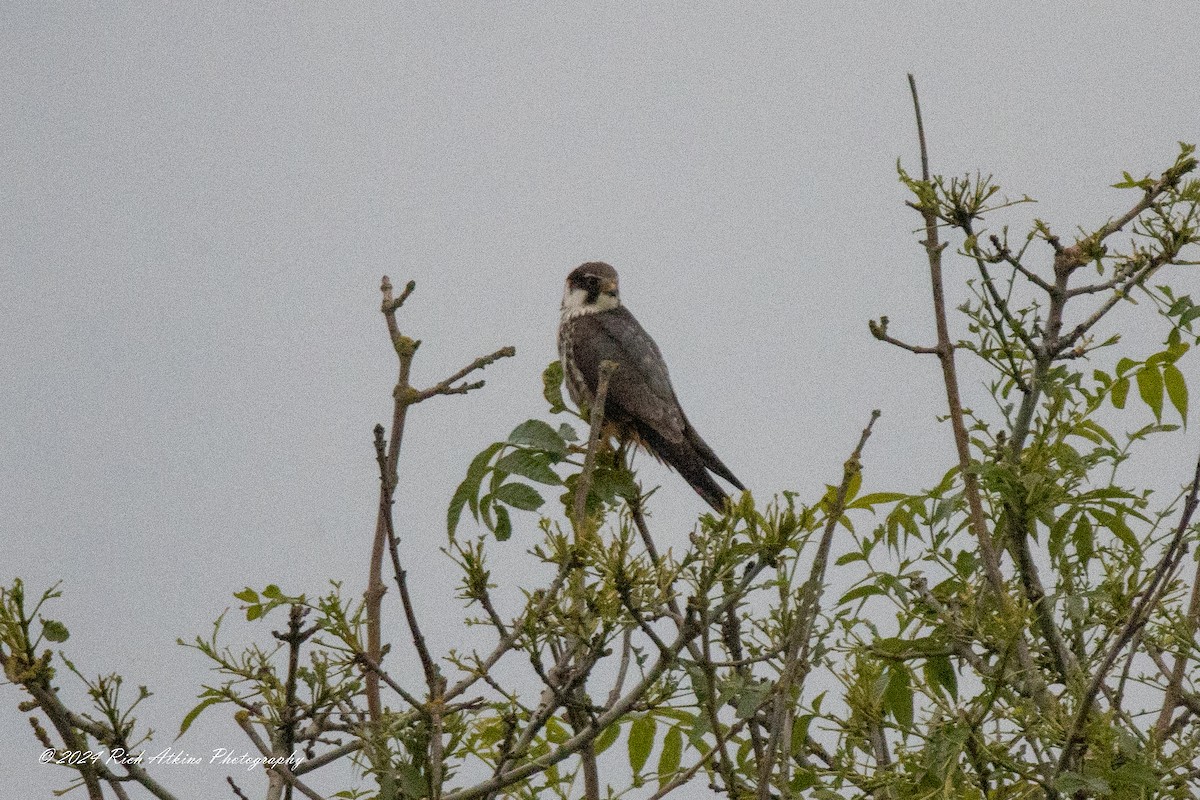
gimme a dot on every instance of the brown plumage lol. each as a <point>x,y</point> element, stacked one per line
<point>641,404</point>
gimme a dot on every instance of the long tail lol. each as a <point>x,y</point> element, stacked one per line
<point>693,459</point>
<point>710,458</point>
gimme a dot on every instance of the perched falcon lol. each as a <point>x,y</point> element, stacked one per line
<point>641,406</point>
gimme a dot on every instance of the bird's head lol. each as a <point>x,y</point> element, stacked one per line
<point>591,288</point>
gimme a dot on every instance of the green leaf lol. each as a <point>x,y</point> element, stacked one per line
<point>1175,347</point>
<point>877,498</point>
<point>537,434</point>
<point>751,698</point>
<point>247,595</point>
<point>1130,182</point>
<point>555,732</point>
<point>454,510</point>
<point>804,778</point>
<point>853,485</point>
<point>1122,531</point>
<point>1176,389</point>
<point>529,464</point>
<point>467,493</point>
<point>641,742</point>
<point>195,712</point>
<point>672,754</point>
<point>1093,432</point>
<point>519,495</point>
<point>940,672</point>
<point>503,528</point>
<point>898,696</point>
<point>272,592</point>
<point>491,730</point>
<point>552,381</point>
<point>1076,608</point>
<point>54,631</point>
<point>1058,533</point>
<point>1150,387</point>
<point>606,738</point>
<point>609,483</point>
<point>1120,390</point>
<point>411,782</point>
<point>1084,540</point>
<point>800,734</point>
<point>1140,776</point>
<point>965,563</point>
<point>859,592</point>
<point>1072,782</point>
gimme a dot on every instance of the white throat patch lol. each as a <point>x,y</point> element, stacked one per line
<point>575,304</point>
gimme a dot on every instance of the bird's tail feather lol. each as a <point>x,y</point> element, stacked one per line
<point>710,458</point>
<point>692,464</point>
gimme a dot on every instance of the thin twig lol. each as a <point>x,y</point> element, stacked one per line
<point>796,663</point>
<point>879,331</point>
<point>328,757</point>
<point>447,386</point>
<point>724,764</point>
<point>236,789</point>
<point>294,639</point>
<point>977,517</point>
<point>373,666</point>
<point>1174,695</point>
<point>584,483</point>
<point>579,720</point>
<point>1134,279</point>
<point>1078,254</point>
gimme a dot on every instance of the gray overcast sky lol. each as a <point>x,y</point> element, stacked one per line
<point>197,201</point>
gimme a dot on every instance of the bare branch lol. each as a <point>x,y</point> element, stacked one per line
<point>389,305</point>
<point>1134,279</point>
<point>371,665</point>
<point>236,789</point>
<point>1014,261</point>
<point>388,458</point>
<point>447,386</point>
<point>879,331</point>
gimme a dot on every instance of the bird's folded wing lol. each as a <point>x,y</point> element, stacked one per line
<point>640,389</point>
